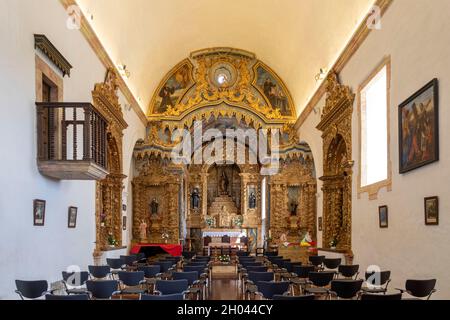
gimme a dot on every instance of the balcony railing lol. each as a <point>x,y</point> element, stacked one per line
<point>72,141</point>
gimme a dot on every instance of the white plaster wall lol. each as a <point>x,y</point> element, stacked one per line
<point>30,252</point>
<point>415,34</point>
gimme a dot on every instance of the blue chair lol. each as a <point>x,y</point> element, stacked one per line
<point>129,260</point>
<point>196,285</point>
<point>257,269</point>
<point>302,273</point>
<point>268,289</point>
<point>131,282</point>
<point>168,297</point>
<point>74,282</point>
<point>99,272</point>
<point>294,298</point>
<point>164,265</point>
<point>242,254</point>
<point>250,283</point>
<point>31,289</point>
<point>165,287</point>
<point>103,289</point>
<point>346,289</point>
<point>199,269</point>
<point>116,265</point>
<point>317,261</point>
<point>320,280</point>
<point>349,271</point>
<point>76,297</point>
<point>150,271</point>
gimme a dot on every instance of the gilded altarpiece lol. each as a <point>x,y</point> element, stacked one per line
<point>293,217</point>
<point>337,150</point>
<point>109,190</point>
<point>156,195</point>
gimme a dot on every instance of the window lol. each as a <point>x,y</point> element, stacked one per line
<point>374,131</point>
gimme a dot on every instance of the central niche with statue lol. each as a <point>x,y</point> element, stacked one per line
<point>224,196</point>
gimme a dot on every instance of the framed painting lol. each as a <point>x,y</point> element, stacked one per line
<point>39,212</point>
<point>419,128</point>
<point>72,217</point>
<point>432,211</point>
<point>383,217</point>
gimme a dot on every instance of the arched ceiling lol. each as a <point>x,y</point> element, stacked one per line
<point>294,37</point>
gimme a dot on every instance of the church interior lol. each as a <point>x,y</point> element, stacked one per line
<point>225,150</point>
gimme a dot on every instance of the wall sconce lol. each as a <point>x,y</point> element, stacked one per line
<point>124,72</point>
<point>322,74</point>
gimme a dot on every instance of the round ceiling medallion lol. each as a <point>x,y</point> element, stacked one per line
<point>223,75</point>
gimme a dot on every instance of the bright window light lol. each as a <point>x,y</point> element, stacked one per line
<point>374,130</point>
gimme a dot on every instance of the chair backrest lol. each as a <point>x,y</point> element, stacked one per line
<point>115,263</point>
<point>188,254</point>
<point>271,254</point>
<point>75,279</point>
<point>303,271</point>
<point>102,289</point>
<point>381,297</point>
<point>346,289</point>
<point>226,239</point>
<point>420,288</point>
<point>191,277</point>
<point>316,260</point>
<point>257,269</point>
<point>269,289</point>
<point>73,297</point>
<point>332,263</point>
<point>131,279</point>
<point>321,279</point>
<point>32,289</point>
<point>150,271</point>
<point>167,297</point>
<point>293,298</point>
<point>378,278</point>
<point>141,256</point>
<point>242,253</point>
<point>251,264</point>
<point>348,271</point>
<point>99,272</point>
<point>198,269</point>
<point>255,277</point>
<point>171,286</point>
<point>198,263</point>
<point>129,260</point>
<point>164,265</point>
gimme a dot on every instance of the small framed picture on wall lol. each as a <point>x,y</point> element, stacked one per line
<point>72,217</point>
<point>383,217</point>
<point>39,213</point>
<point>432,211</point>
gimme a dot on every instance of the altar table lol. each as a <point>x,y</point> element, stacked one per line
<point>175,250</point>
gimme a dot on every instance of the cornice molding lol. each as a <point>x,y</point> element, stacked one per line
<point>42,43</point>
<point>104,57</point>
<point>352,47</point>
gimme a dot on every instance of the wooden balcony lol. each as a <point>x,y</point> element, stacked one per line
<point>72,141</point>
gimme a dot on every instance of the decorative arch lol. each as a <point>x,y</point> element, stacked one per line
<point>229,78</point>
<point>337,151</point>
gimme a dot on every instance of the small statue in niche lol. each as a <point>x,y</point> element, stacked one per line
<point>195,199</point>
<point>154,207</point>
<point>252,201</point>
<point>143,231</point>
<point>224,183</point>
<point>294,207</point>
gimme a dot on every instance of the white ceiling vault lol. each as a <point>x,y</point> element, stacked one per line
<point>294,37</point>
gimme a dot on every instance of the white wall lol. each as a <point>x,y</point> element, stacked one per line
<point>30,252</point>
<point>415,34</point>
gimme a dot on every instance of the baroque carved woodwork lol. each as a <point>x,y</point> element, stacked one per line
<point>294,173</point>
<point>157,179</point>
<point>109,190</point>
<point>337,150</point>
